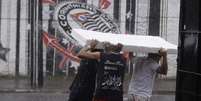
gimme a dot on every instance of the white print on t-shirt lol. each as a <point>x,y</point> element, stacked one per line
<point>112,82</point>
<point>110,68</point>
<point>113,63</point>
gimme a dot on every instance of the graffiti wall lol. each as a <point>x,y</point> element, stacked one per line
<point>65,16</point>
<point>13,37</point>
<point>59,17</point>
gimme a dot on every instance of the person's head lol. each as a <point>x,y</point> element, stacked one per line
<point>113,48</point>
<point>119,47</point>
<point>108,47</point>
<point>93,44</point>
<point>155,56</point>
<point>96,46</point>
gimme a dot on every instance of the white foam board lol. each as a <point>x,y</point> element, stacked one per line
<point>133,43</point>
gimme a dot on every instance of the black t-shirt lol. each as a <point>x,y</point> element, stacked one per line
<point>110,74</point>
<point>86,76</point>
<point>83,85</point>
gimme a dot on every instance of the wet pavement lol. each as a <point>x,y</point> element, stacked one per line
<point>60,97</point>
<point>54,89</point>
<point>33,97</point>
<point>57,90</point>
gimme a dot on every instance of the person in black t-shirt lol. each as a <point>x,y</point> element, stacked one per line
<point>110,72</point>
<point>83,85</point>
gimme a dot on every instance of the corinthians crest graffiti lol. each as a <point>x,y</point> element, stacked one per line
<point>70,15</point>
<point>81,15</point>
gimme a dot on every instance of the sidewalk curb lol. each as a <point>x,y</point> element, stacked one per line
<point>32,91</point>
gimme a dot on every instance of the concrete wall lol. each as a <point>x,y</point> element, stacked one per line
<point>8,36</point>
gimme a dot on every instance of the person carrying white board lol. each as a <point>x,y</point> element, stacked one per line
<point>145,70</point>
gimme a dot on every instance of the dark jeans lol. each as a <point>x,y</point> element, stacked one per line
<point>108,98</point>
<point>81,94</point>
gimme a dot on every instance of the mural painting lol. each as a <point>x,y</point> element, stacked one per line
<point>68,15</point>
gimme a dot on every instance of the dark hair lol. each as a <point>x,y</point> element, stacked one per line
<point>154,56</point>
<point>119,47</point>
<point>97,50</point>
<point>108,47</point>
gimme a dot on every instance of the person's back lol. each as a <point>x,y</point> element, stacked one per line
<point>110,71</point>
<point>110,74</point>
<point>83,85</point>
<point>143,77</point>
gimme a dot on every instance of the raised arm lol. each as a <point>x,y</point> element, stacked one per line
<point>163,61</point>
<point>85,52</point>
